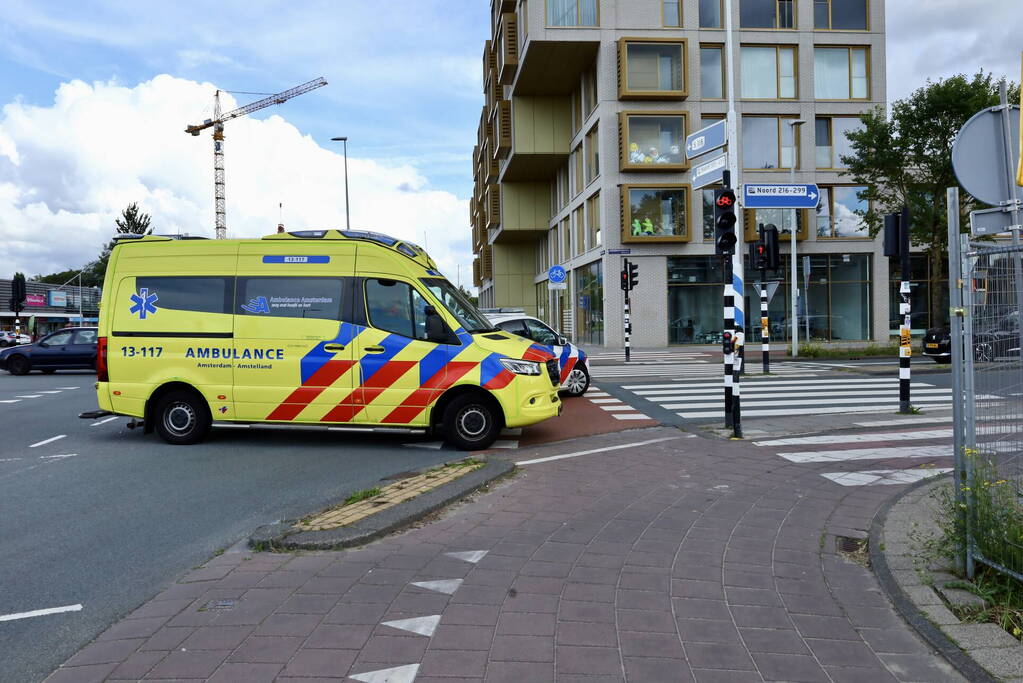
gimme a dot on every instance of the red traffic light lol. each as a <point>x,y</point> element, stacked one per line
<point>726,199</point>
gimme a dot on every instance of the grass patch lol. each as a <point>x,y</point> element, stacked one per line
<point>362,495</point>
<point>1004,595</point>
<point>819,350</point>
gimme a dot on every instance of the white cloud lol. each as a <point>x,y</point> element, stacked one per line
<point>68,169</point>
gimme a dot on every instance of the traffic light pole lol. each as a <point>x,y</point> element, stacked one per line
<point>728,335</point>
<point>905,344</point>
<point>628,327</point>
<point>765,327</point>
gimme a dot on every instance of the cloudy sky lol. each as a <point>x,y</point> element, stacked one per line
<point>95,96</point>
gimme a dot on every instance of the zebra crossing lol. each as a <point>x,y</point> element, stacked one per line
<point>692,370</point>
<point>618,409</point>
<point>667,356</point>
<point>790,395</point>
<point>922,452</point>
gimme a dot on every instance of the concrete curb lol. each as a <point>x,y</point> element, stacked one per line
<point>906,607</point>
<point>283,536</point>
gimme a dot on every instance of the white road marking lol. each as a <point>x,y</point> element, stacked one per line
<point>40,612</point>
<point>909,421</point>
<point>50,440</point>
<point>860,438</point>
<point>758,402</point>
<point>621,407</point>
<point>772,382</point>
<point>597,394</point>
<point>595,450</point>
<point>57,457</point>
<point>9,459</point>
<point>876,408</point>
<point>883,476</point>
<point>604,400</point>
<point>397,674</point>
<point>11,400</point>
<point>66,388</point>
<point>870,454</point>
<point>448,586</point>
<point>472,556</point>
<point>424,626</point>
<point>763,392</point>
<point>630,416</point>
<point>104,421</point>
<point>49,392</point>
<point>31,396</point>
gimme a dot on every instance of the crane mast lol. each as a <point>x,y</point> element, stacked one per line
<point>217,123</point>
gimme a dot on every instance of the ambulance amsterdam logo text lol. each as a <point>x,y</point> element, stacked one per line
<point>143,303</point>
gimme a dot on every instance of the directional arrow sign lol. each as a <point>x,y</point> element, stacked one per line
<point>763,196</point>
<point>706,139</point>
<point>709,172</point>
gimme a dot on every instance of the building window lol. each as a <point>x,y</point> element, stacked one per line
<point>592,155</point>
<point>767,14</point>
<point>590,90</point>
<point>566,240</point>
<point>542,258</point>
<point>561,13</point>
<point>841,73</point>
<point>694,306</point>
<point>782,219</point>
<point>655,213</point>
<point>840,15</point>
<point>552,246</point>
<point>577,169</point>
<point>589,311</point>
<point>593,220</point>
<point>651,69</point>
<point>672,13</point>
<point>768,72</point>
<point>766,143</point>
<point>712,73</point>
<point>708,213</point>
<point>580,230</point>
<point>710,13</point>
<point>832,140</point>
<point>837,212</point>
<point>577,110</point>
<point>653,141</point>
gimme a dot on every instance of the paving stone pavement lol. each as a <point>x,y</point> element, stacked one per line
<point>684,559</point>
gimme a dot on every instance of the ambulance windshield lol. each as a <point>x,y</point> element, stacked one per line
<point>471,319</point>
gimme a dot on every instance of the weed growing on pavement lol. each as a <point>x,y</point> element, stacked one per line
<point>1004,596</point>
<point>360,496</point>
<point>819,350</point>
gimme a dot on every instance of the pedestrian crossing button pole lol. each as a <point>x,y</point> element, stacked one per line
<point>739,341</point>
<point>896,245</point>
<point>630,278</point>
<point>724,246</point>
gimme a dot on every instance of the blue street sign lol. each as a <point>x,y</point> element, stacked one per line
<point>556,274</point>
<point>775,196</point>
<point>706,139</point>
<point>709,172</point>
<point>619,251</point>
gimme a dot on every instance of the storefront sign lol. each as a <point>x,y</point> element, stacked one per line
<point>35,300</point>
<point>57,298</point>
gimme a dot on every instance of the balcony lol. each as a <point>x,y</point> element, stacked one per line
<point>542,132</point>
<point>494,92</point>
<point>491,168</point>
<point>498,8</point>
<point>525,212</point>
<point>487,263</point>
<point>501,120</point>
<point>492,200</point>
<point>507,47</point>
<point>477,281</point>
<point>489,62</point>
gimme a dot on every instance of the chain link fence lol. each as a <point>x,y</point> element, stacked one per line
<point>989,423</point>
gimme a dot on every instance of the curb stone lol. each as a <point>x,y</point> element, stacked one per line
<point>920,616</point>
<point>283,535</point>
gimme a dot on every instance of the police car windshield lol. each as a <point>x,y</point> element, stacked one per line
<point>471,319</point>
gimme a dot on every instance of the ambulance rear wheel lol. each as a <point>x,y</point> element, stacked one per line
<point>472,422</point>
<point>182,418</point>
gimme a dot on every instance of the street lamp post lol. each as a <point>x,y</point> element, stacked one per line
<point>793,229</point>
<point>348,218</point>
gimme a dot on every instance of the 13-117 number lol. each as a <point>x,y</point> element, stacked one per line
<point>144,351</point>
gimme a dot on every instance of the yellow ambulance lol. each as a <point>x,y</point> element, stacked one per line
<point>316,327</point>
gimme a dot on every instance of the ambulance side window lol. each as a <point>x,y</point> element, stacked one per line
<point>291,297</point>
<point>189,293</point>
<point>539,332</point>
<point>396,307</point>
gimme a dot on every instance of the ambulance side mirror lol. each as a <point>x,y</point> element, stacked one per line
<point>562,341</point>
<point>436,330</point>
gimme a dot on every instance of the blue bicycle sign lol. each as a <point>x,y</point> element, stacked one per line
<point>557,274</point>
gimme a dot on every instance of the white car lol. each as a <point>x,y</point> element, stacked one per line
<point>575,370</point>
<point>11,339</point>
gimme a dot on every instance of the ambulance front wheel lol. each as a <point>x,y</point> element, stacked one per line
<point>182,418</point>
<point>472,422</point>
<point>578,382</point>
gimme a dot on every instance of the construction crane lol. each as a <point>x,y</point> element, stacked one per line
<point>217,123</point>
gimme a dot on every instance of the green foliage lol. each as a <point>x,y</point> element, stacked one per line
<point>818,350</point>
<point>1004,596</point>
<point>360,496</point>
<point>906,160</point>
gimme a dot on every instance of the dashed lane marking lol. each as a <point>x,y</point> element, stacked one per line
<point>31,396</point>
<point>11,400</point>
<point>58,457</point>
<point>50,392</point>
<point>909,421</point>
<point>842,455</point>
<point>40,612</point>
<point>104,421</point>
<point>65,388</point>
<point>919,435</point>
<point>50,440</point>
<point>596,450</point>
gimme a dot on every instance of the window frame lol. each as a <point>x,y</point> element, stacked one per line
<point>624,140</point>
<point>831,141</point>
<point>593,227</point>
<point>777,71</point>
<point>721,17</point>
<point>797,148</point>
<point>724,83</point>
<point>751,234</point>
<point>579,230</point>
<point>830,187</point>
<point>578,16</point>
<point>241,282</point>
<point>848,70</point>
<point>866,18</point>
<point>777,16</point>
<point>664,14</point>
<point>624,93</point>
<point>626,233</point>
<point>412,290</point>
<point>591,151</point>
<point>577,165</point>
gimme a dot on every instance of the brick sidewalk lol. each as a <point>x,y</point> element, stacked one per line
<point>686,559</point>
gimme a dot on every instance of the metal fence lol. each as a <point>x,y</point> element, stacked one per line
<point>987,293</point>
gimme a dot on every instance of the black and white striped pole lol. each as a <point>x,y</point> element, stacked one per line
<point>728,345</point>
<point>628,328</point>
<point>630,278</point>
<point>739,341</point>
<point>896,244</point>
<point>725,246</point>
<point>765,329</point>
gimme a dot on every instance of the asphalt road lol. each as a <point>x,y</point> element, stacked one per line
<point>122,514</point>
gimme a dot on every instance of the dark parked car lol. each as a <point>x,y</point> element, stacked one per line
<point>67,349</point>
<point>989,342</point>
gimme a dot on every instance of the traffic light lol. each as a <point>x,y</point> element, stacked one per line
<point>727,343</point>
<point>625,280</point>
<point>769,237</point>
<point>633,274</point>
<point>757,255</point>
<point>18,293</point>
<point>724,222</point>
<point>892,236</point>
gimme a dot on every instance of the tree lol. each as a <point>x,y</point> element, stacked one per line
<point>133,222</point>
<point>469,296</point>
<point>906,160</point>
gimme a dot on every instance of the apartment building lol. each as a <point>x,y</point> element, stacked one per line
<point>580,156</point>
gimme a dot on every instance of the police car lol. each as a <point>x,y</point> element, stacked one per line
<point>575,369</point>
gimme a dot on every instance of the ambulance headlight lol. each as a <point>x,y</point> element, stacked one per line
<point>521,367</point>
